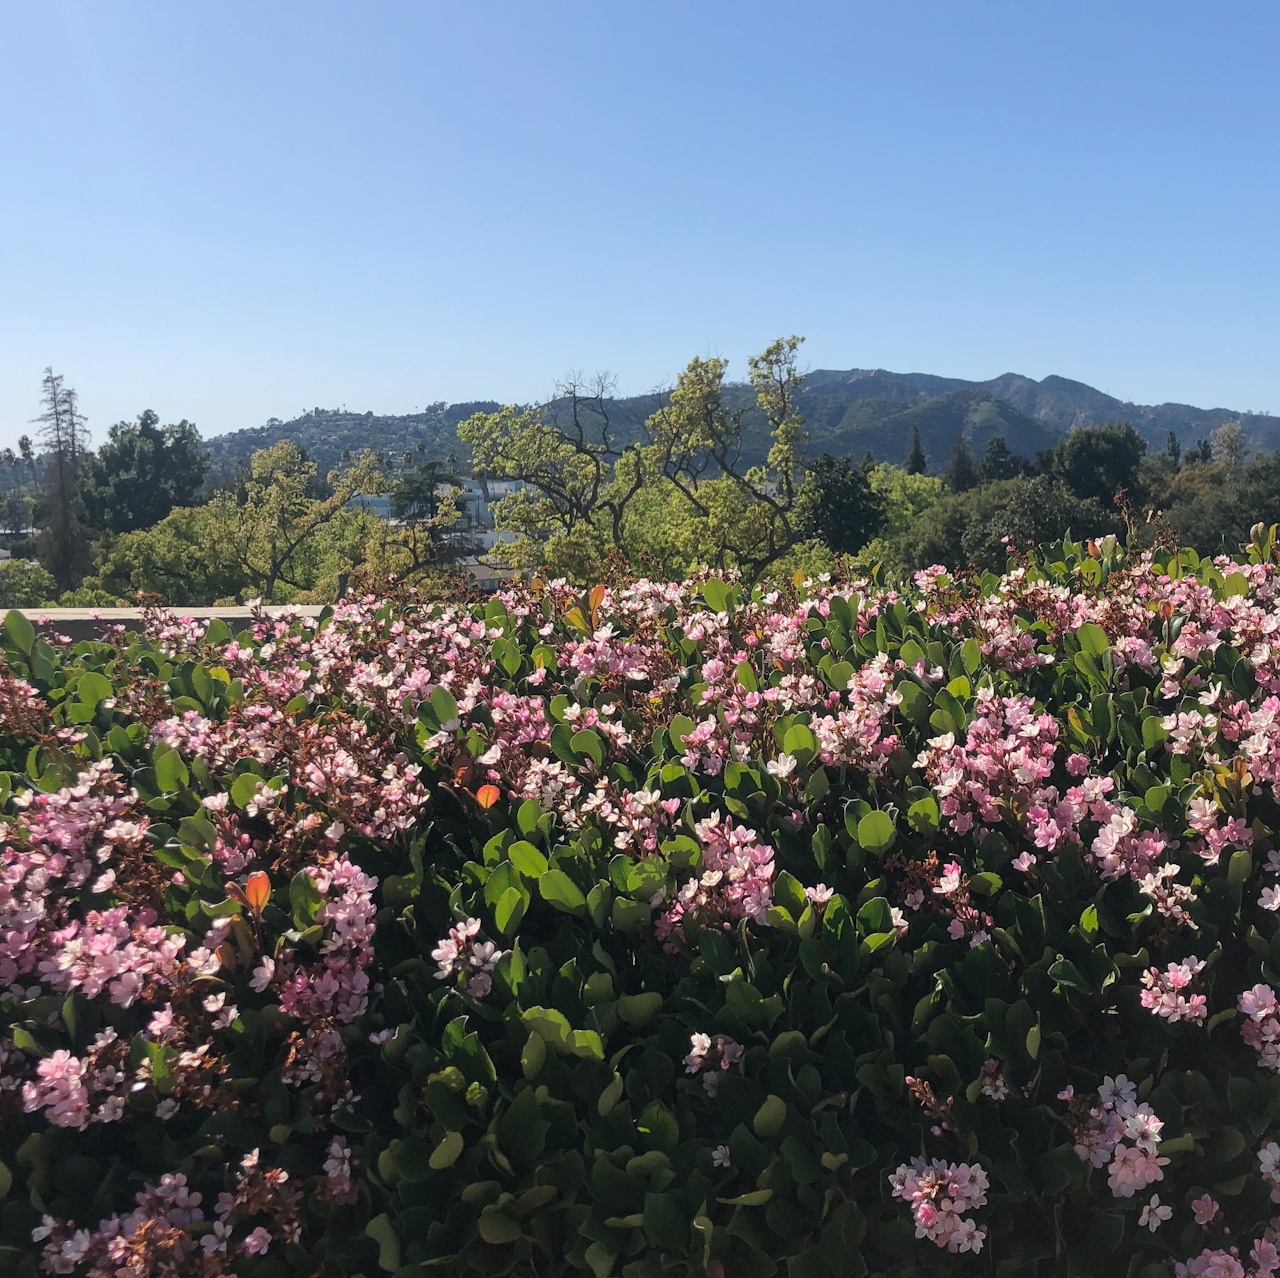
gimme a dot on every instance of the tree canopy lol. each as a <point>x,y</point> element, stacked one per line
<point>681,497</point>
<point>142,472</point>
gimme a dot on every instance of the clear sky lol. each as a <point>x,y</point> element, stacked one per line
<point>239,210</point>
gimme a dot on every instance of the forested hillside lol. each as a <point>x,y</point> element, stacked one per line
<point>853,411</point>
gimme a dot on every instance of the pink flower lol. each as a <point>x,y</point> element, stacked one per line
<point>1205,1209</point>
<point>257,1242</point>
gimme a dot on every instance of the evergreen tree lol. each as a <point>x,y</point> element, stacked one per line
<point>28,454</point>
<point>916,460</point>
<point>999,463</point>
<point>64,541</point>
<point>1173,450</point>
<point>961,471</point>
<point>847,512</point>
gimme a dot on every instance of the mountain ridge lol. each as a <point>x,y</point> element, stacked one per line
<point>846,410</point>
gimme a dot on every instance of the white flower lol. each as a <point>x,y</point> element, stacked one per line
<point>719,1157</point>
<point>1143,1128</point>
<point>1154,1215</point>
<point>263,974</point>
<point>781,767</point>
<point>1270,898</point>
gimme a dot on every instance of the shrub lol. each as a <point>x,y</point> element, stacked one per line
<point>979,526</point>
<point>673,929</point>
<point>24,584</point>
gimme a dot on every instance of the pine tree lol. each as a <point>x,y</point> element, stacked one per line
<point>64,543</point>
<point>916,460</point>
<point>961,471</point>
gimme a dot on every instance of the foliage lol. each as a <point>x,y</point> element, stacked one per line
<point>961,472</point>
<point>998,462</point>
<point>64,539</point>
<point>1098,462</point>
<point>1230,444</point>
<point>268,538</point>
<point>916,460</point>
<point>978,527</point>
<point>682,496</point>
<point>848,512</point>
<point>904,498</point>
<point>1212,505</point>
<point>141,473</point>
<point>24,584</point>
<point>665,930</point>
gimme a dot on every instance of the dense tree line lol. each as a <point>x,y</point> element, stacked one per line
<point>142,514</point>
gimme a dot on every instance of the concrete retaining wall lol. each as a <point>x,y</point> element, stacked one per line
<point>93,623</point>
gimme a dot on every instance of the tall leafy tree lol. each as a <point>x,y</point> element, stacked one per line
<point>1100,461</point>
<point>267,538</point>
<point>64,539</point>
<point>682,496</point>
<point>1230,443</point>
<point>847,511</point>
<point>425,506</point>
<point>142,472</point>
<point>27,453</point>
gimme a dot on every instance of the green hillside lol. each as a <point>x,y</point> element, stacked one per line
<point>852,411</point>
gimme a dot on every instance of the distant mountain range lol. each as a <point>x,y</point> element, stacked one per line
<point>857,411</point>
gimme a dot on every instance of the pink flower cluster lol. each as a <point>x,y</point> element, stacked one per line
<point>75,1091</point>
<point>735,880</point>
<point>1163,992</point>
<point>1000,769</point>
<point>461,954</point>
<point>861,731</point>
<point>338,985</point>
<point>157,1237</point>
<point>1119,1133</point>
<point>61,844</point>
<point>1215,1262</point>
<point>337,1170</point>
<point>939,1194</point>
<point>1261,1029</point>
<point>707,1053</point>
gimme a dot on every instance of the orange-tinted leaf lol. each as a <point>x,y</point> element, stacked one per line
<point>258,891</point>
<point>487,796</point>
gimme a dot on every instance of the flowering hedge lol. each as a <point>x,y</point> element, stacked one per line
<point>671,930</point>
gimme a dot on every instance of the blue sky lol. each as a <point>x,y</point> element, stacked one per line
<point>237,210</point>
